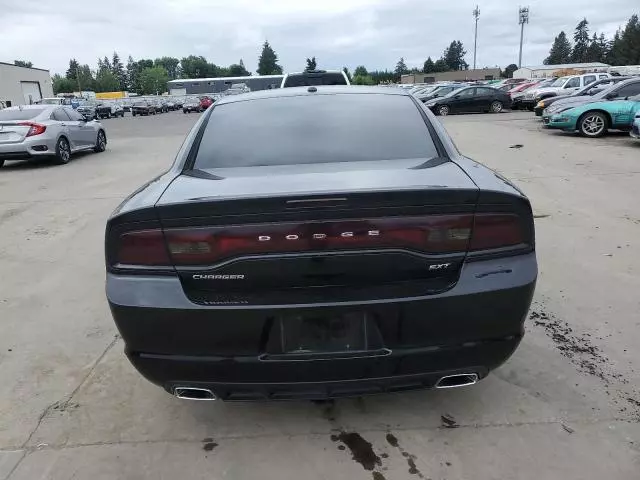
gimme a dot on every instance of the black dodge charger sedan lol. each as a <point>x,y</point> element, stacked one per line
<point>470,99</point>
<point>337,244</point>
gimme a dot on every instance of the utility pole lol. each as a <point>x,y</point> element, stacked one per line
<point>476,13</point>
<point>523,17</point>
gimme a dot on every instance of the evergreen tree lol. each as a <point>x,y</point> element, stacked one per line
<point>106,81</point>
<point>72,71</point>
<point>594,52</point>
<point>117,68</point>
<point>132,74</point>
<point>604,47</point>
<point>560,51</point>
<point>311,64</point>
<point>429,66</point>
<point>268,61</point>
<point>580,42</point>
<point>360,71</point>
<point>238,70</point>
<point>453,56</point>
<point>106,63</point>
<point>508,71</point>
<point>628,47</point>
<point>401,68</point>
<point>440,66</point>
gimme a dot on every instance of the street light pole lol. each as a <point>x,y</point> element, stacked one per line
<point>523,17</point>
<point>476,13</point>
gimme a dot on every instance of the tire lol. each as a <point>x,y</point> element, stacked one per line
<point>184,111</point>
<point>63,152</point>
<point>496,107</point>
<point>593,124</point>
<point>1,163</point>
<point>101,142</point>
<point>443,110</point>
<point>133,114</point>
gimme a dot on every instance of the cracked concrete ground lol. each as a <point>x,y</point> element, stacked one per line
<point>566,405</point>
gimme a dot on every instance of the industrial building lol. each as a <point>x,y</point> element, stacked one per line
<point>194,86</point>
<point>23,85</point>
<point>454,76</point>
<point>548,71</point>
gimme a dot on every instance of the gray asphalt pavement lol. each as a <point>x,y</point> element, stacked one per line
<point>565,406</point>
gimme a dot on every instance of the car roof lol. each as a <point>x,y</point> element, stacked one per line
<point>31,107</point>
<point>312,90</point>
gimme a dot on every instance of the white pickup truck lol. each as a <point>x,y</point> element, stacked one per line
<point>564,86</point>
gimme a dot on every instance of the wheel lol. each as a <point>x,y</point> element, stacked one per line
<point>1,163</point>
<point>184,111</point>
<point>101,142</point>
<point>593,124</point>
<point>443,110</point>
<point>63,151</point>
<point>133,114</point>
<point>496,107</point>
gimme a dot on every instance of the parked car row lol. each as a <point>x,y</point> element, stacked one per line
<point>596,109</point>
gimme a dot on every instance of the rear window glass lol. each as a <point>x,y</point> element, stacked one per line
<point>26,114</point>
<point>308,79</point>
<point>311,129</point>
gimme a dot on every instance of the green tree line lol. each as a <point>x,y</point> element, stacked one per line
<point>622,49</point>
<point>147,76</point>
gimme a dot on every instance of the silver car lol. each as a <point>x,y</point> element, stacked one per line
<point>52,131</point>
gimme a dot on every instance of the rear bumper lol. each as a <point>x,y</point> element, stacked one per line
<point>472,328</point>
<point>31,147</point>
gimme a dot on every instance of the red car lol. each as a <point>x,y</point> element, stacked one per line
<point>205,102</point>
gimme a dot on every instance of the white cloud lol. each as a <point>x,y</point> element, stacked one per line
<point>374,33</point>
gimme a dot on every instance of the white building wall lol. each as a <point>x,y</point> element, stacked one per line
<point>522,73</point>
<point>11,87</point>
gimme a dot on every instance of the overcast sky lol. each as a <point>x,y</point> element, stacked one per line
<point>375,33</point>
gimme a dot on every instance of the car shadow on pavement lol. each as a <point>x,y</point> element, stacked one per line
<point>21,165</point>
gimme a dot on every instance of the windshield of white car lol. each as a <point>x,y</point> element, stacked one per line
<point>559,82</point>
<point>17,114</point>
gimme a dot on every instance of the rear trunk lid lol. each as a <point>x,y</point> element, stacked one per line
<point>283,234</point>
<point>13,132</point>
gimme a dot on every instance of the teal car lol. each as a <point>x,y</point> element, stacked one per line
<point>595,119</point>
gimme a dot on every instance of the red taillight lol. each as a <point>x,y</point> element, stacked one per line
<point>35,128</point>
<point>436,234</point>
<point>432,234</point>
<point>497,230</point>
<point>143,247</point>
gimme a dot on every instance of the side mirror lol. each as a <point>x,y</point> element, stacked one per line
<point>611,96</point>
<point>456,96</point>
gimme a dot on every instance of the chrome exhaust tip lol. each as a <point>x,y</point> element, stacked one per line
<point>459,380</point>
<point>193,393</point>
